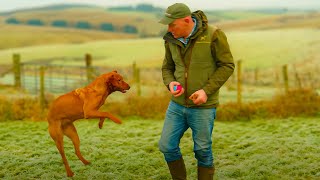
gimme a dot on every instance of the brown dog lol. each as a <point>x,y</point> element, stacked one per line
<point>78,104</point>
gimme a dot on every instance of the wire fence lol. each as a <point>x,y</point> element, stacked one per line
<point>61,78</point>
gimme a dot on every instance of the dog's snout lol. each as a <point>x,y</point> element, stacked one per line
<point>127,86</point>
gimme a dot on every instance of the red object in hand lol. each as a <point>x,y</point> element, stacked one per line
<point>177,87</point>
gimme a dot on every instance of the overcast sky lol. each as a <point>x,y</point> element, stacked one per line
<point>7,5</point>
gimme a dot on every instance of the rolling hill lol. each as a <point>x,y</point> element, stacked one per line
<point>299,20</point>
<point>145,17</point>
<point>146,22</point>
<point>13,36</point>
<point>21,34</point>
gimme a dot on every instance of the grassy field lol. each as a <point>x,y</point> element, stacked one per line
<point>146,52</point>
<point>290,20</point>
<point>260,149</point>
<point>258,49</point>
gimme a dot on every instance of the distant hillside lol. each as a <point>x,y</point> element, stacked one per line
<point>227,15</point>
<point>139,8</point>
<point>143,17</point>
<point>82,23</point>
<point>302,20</point>
<point>22,36</point>
<point>89,17</point>
<point>56,7</point>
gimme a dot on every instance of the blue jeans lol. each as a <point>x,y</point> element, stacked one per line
<point>178,119</point>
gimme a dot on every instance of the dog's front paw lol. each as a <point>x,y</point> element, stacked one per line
<point>101,123</point>
<point>70,174</point>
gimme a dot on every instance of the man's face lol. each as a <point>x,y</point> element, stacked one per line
<point>178,28</point>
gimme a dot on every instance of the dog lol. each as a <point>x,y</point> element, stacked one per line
<point>78,104</point>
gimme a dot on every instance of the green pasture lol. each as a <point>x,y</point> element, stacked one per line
<point>258,49</point>
<point>107,53</point>
<point>235,15</point>
<point>249,94</point>
<point>272,48</point>
<point>260,149</point>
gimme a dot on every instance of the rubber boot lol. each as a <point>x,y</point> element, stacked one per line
<point>205,173</point>
<point>177,169</point>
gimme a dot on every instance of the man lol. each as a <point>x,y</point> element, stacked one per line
<point>198,58</point>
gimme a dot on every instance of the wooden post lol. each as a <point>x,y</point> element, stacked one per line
<point>42,89</point>
<point>239,82</point>
<point>89,68</point>
<point>136,77</point>
<point>285,77</point>
<point>17,70</point>
<point>298,80</point>
<point>138,82</point>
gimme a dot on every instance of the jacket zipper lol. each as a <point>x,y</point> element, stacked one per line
<point>185,77</point>
<point>186,84</point>
<point>186,69</point>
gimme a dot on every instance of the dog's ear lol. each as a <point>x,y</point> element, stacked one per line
<point>111,77</point>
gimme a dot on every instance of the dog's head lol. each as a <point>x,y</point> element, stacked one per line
<point>115,82</point>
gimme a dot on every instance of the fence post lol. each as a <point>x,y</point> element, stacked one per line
<point>42,89</point>
<point>17,70</point>
<point>285,77</point>
<point>298,80</point>
<point>138,82</point>
<point>89,68</point>
<point>136,77</point>
<point>239,82</point>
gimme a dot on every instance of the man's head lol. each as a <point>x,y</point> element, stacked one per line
<point>179,21</point>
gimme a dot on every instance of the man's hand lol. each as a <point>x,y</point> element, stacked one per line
<point>199,97</point>
<point>177,92</point>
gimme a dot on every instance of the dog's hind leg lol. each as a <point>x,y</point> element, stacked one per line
<point>70,131</point>
<point>57,135</point>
